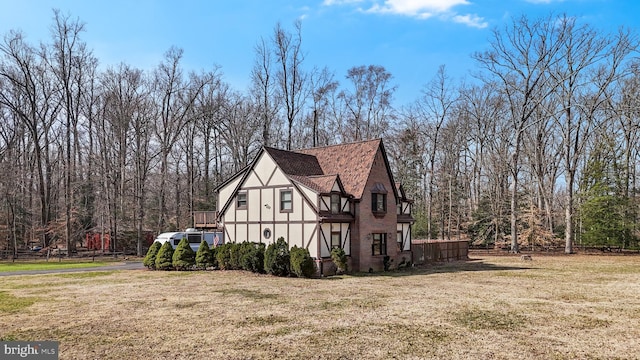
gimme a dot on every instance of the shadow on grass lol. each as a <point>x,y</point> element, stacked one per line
<point>440,268</point>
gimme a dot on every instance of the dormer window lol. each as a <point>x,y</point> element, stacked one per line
<point>378,199</point>
<point>335,203</point>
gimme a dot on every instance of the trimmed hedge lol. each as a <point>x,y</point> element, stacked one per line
<point>276,258</point>
<point>203,256</point>
<point>234,256</point>
<point>183,257</point>
<point>214,259</point>
<point>252,257</point>
<point>150,259</point>
<point>164,259</point>
<point>302,264</point>
<point>223,256</point>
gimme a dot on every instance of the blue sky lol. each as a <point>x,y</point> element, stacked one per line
<point>410,38</point>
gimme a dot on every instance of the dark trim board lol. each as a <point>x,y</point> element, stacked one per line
<point>269,222</point>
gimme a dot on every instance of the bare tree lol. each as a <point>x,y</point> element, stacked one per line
<point>542,149</point>
<point>238,131</point>
<point>28,93</point>
<point>434,107</point>
<point>291,77</point>
<point>70,62</point>
<point>520,58</point>
<point>368,104</point>
<point>264,90</point>
<point>175,97</point>
<point>589,64</point>
<point>322,86</point>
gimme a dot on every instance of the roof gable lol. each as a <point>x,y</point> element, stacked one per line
<point>295,163</point>
<point>353,162</point>
<point>319,168</point>
<point>322,184</point>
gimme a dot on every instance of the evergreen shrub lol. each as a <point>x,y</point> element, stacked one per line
<point>183,257</point>
<point>203,256</point>
<point>150,259</point>
<point>276,258</point>
<point>223,256</point>
<point>252,257</point>
<point>302,264</point>
<point>339,258</point>
<point>164,259</point>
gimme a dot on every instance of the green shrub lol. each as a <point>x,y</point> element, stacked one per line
<point>252,257</point>
<point>223,256</point>
<point>234,256</point>
<point>228,256</point>
<point>213,253</point>
<point>183,257</point>
<point>302,264</point>
<point>164,259</point>
<point>203,256</point>
<point>276,258</point>
<point>150,259</point>
<point>339,258</point>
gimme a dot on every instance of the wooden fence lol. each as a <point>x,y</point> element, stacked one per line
<point>430,251</point>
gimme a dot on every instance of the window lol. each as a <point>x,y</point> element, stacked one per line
<point>379,199</point>
<point>379,244</point>
<point>286,201</point>
<point>335,203</point>
<point>399,240</point>
<point>194,238</point>
<point>379,202</point>
<point>241,200</point>
<point>335,239</point>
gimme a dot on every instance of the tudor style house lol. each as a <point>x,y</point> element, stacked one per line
<point>321,198</point>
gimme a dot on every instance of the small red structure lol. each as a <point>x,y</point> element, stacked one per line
<point>95,241</point>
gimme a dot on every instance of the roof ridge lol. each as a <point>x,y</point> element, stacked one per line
<point>336,145</point>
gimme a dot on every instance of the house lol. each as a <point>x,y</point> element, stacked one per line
<point>321,198</point>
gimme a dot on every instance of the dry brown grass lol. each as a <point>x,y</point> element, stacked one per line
<point>560,307</point>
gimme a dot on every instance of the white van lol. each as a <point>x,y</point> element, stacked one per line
<point>194,236</point>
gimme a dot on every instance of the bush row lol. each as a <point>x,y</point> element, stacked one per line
<point>275,259</point>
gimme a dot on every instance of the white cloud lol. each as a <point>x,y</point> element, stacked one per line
<point>416,8</point>
<point>419,9</point>
<point>340,2</point>
<point>472,20</point>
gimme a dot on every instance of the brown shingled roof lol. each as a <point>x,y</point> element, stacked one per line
<point>295,163</point>
<point>352,162</point>
<point>322,183</point>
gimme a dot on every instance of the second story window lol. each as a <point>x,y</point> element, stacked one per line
<point>335,203</point>
<point>241,200</point>
<point>379,203</point>
<point>379,199</point>
<point>286,200</point>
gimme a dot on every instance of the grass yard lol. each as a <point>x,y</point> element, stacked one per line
<point>494,307</point>
<point>6,266</point>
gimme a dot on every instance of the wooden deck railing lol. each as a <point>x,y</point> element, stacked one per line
<point>205,219</point>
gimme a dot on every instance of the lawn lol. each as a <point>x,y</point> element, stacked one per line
<point>6,266</point>
<point>493,307</point>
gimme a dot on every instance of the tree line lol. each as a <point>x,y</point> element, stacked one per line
<point>539,145</point>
